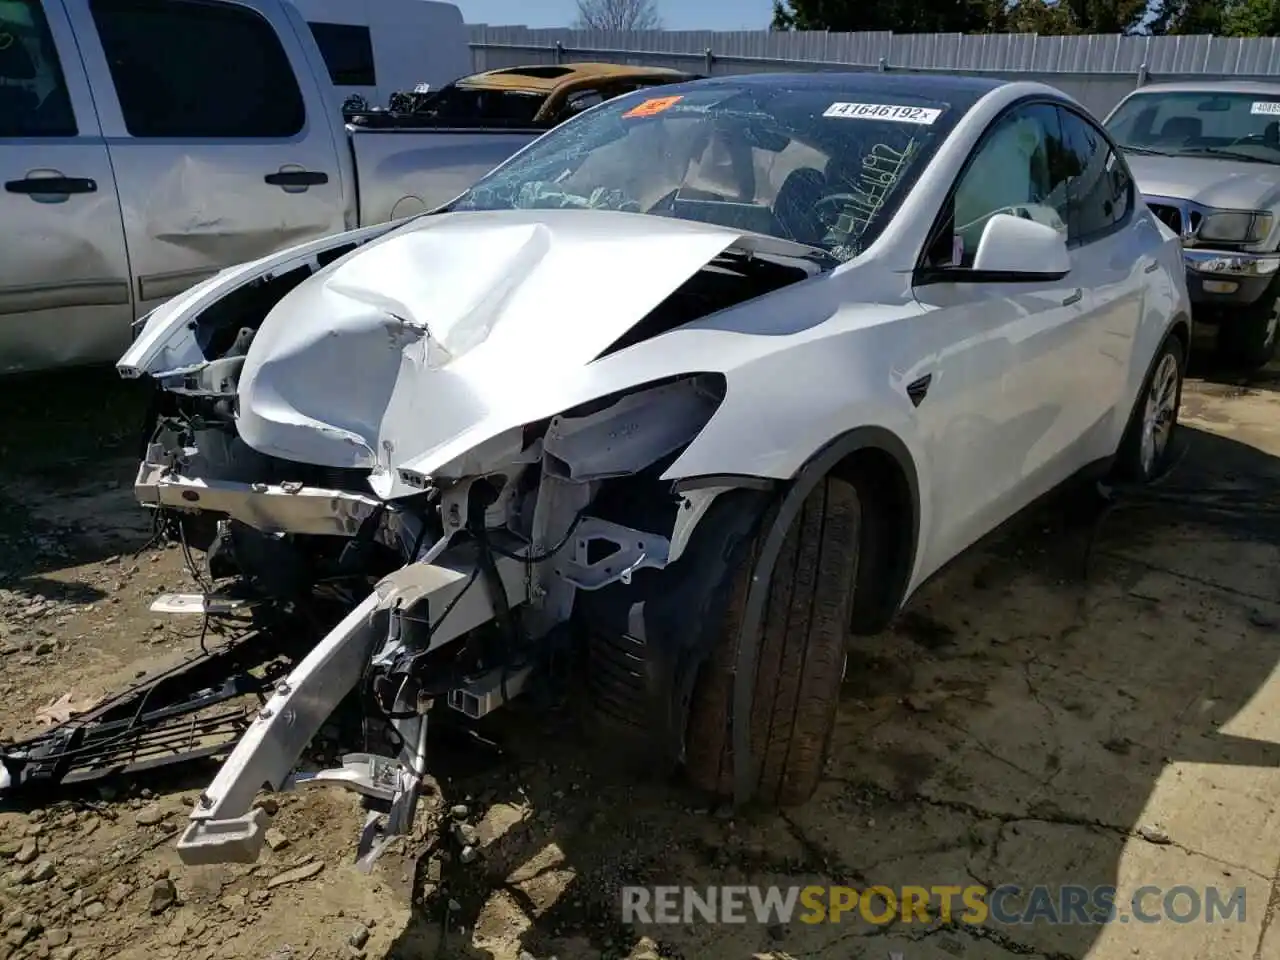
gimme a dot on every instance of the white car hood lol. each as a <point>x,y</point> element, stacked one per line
<point>459,327</point>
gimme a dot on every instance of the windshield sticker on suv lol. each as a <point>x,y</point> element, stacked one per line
<point>897,113</point>
<point>652,106</point>
<point>1268,108</point>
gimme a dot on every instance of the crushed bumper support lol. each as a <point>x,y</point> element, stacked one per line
<point>225,826</point>
<point>168,719</point>
<point>282,508</point>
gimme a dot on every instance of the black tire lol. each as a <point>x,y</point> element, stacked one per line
<point>1246,340</point>
<point>1133,465</point>
<point>801,656</point>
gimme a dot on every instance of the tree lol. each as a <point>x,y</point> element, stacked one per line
<point>1224,18</point>
<point>618,15</point>
<point>1048,17</point>
<point>901,16</point>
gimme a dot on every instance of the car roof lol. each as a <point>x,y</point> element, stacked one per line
<point>546,77</point>
<point>1257,87</point>
<point>931,86</point>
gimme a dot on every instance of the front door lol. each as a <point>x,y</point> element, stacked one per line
<point>992,426</point>
<point>218,132</point>
<point>64,274</point>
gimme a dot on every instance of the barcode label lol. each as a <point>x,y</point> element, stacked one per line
<point>896,113</point>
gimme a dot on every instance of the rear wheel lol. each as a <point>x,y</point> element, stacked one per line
<point>1147,447</point>
<point>801,655</point>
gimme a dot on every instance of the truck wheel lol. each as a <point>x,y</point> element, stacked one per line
<point>801,656</point>
<point>1247,341</point>
<point>1147,447</point>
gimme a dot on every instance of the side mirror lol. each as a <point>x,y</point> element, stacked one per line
<point>1013,249</point>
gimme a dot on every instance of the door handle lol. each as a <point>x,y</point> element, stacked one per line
<point>1151,267</point>
<point>51,185</point>
<point>1073,298</point>
<point>297,178</point>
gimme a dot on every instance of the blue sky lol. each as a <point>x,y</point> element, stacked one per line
<point>676,14</point>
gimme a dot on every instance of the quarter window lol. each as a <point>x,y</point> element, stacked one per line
<point>192,68</point>
<point>33,93</point>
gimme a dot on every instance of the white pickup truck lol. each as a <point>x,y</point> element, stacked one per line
<point>148,144</point>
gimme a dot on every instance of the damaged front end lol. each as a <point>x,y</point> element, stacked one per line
<point>489,566</point>
<point>476,494</point>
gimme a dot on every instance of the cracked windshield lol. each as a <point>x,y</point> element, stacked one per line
<point>1235,126</point>
<point>810,165</point>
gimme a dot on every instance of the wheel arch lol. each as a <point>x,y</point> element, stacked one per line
<point>1181,328</point>
<point>879,463</point>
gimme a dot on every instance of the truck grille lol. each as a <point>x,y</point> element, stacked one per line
<point>1171,217</point>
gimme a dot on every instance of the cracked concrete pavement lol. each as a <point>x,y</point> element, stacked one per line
<point>1087,701</point>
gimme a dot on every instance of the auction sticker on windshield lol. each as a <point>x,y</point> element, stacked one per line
<point>652,106</point>
<point>1266,107</point>
<point>883,111</point>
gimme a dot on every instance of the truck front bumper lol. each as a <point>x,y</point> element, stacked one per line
<point>1227,279</point>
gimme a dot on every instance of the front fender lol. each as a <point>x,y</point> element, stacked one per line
<point>168,341</point>
<point>772,426</point>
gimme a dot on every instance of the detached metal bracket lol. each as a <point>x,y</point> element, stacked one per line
<point>633,550</point>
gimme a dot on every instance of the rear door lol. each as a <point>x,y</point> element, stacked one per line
<point>1112,245</point>
<point>64,274</point>
<point>218,132</point>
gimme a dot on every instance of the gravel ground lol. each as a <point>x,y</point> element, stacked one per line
<point>1077,702</point>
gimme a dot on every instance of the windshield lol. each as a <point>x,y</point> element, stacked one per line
<point>1238,126</point>
<point>804,163</point>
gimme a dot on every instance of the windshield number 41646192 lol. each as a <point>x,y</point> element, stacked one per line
<point>897,113</point>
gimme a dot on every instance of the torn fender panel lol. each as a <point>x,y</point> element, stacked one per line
<point>457,321</point>
<point>167,342</point>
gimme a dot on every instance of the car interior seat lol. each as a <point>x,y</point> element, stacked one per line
<point>1181,128</point>
<point>18,102</point>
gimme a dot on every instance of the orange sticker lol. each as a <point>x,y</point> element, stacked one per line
<point>652,107</point>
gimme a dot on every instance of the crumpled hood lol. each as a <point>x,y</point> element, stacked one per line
<point>1224,184</point>
<point>461,322</point>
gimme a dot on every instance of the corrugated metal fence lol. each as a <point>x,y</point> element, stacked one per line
<point>1097,70</point>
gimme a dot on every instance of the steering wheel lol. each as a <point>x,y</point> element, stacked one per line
<point>828,204</point>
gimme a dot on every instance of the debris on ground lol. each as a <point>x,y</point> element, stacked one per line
<point>954,732</point>
<point>1153,834</point>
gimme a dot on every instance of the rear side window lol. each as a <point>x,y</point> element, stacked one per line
<point>347,52</point>
<point>193,68</point>
<point>33,94</point>
<point>1101,190</point>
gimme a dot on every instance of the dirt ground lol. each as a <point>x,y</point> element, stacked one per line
<point>1082,702</point>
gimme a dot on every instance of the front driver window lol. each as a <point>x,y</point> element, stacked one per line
<point>1018,169</point>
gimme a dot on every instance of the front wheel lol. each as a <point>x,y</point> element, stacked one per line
<point>1147,448</point>
<point>1246,341</point>
<point>801,655</point>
